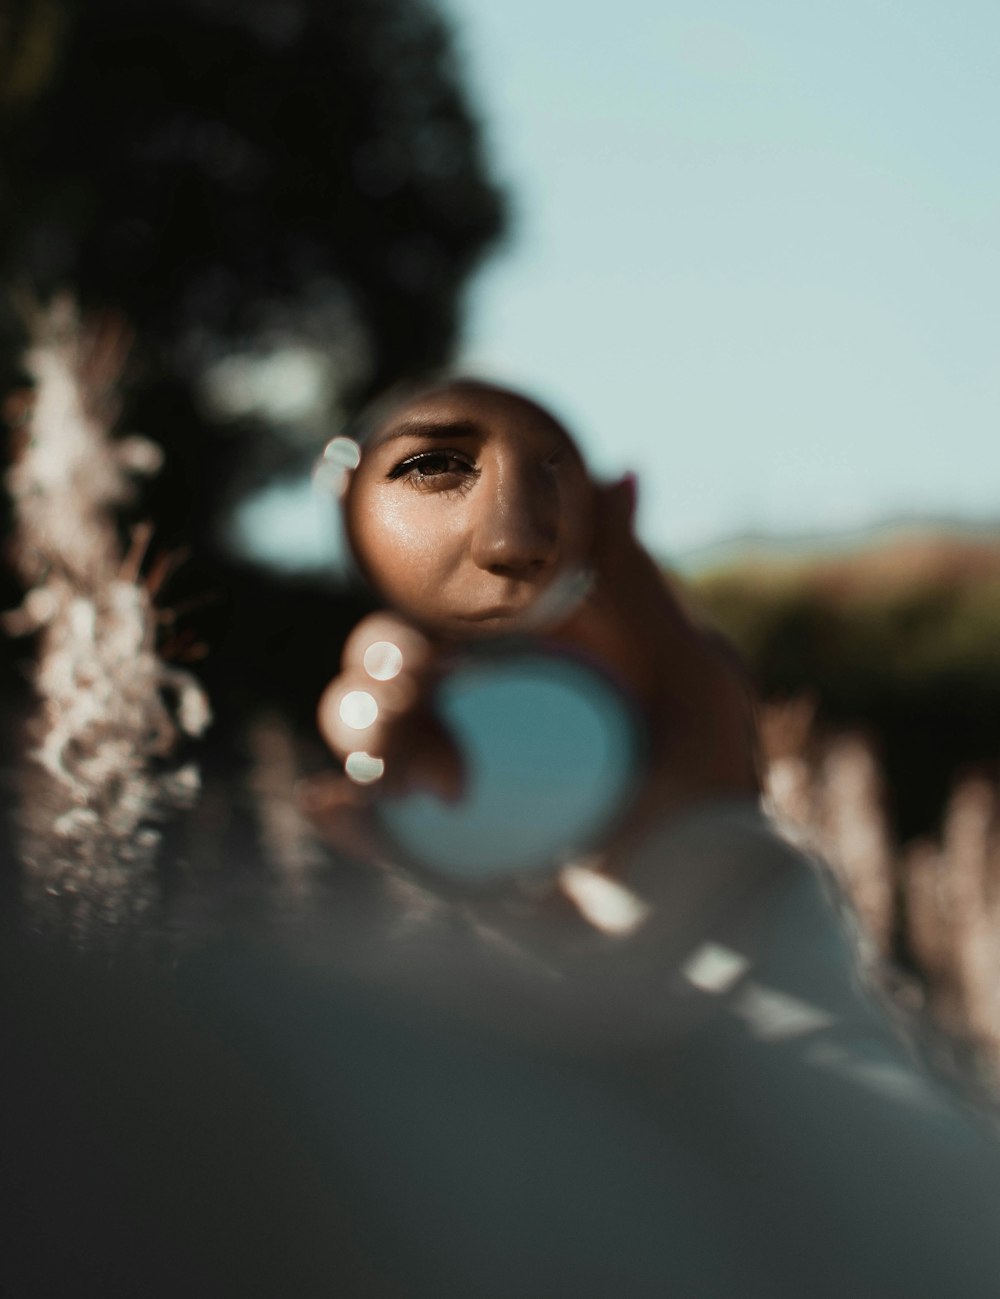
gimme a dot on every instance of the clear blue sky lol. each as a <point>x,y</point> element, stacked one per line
<point>756,253</point>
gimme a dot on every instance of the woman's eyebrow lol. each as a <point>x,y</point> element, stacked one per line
<point>430,428</point>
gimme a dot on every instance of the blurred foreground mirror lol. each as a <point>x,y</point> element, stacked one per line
<point>550,753</point>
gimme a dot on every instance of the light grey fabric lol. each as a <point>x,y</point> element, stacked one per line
<point>710,1108</point>
<point>588,1116</point>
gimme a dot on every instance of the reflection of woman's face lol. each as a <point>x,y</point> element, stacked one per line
<point>467,502</point>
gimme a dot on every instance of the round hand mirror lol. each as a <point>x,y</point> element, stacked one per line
<point>549,751</point>
<point>470,511</point>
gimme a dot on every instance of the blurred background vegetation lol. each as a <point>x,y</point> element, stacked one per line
<point>282,201</point>
<point>895,635</point>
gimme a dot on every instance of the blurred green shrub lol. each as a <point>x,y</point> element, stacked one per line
<point>900,638</point>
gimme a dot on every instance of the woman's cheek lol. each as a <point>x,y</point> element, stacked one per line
<point>401,531</point>
<point>419,546</point>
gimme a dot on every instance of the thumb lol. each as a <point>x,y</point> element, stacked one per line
<point>631,621</point>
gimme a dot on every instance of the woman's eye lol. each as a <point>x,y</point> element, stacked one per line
<point>444,469</point>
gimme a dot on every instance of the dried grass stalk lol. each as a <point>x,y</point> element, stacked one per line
<point>933,905</point>
<point>111,713</point>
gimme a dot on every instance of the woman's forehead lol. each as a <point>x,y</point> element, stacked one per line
<point>472,408</point>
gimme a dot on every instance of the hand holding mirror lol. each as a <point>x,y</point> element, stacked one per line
<point>471,512</point>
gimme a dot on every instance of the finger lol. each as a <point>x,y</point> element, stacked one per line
<point>628,579</point>
<point>386,732</point>
<point>631,620</point>
<point>385,647</point>
<point>693,693</point>
<point>426,758</point>
<point>356,712</point>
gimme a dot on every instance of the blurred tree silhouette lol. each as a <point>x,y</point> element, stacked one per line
<point>284,199</point>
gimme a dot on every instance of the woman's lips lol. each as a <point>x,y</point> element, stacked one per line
<point>497,614</point>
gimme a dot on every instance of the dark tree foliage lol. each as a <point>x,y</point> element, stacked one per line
<point>230,175</point>
<point>186,160</point>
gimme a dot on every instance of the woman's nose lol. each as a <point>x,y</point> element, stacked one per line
<point>516,532</point>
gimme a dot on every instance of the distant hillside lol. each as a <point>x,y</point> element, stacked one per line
<point>808,547</point>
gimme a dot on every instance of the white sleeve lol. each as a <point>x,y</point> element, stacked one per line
<point>859,1148</point>
<point>741,925</point>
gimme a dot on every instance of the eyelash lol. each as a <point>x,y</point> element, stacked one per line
<point>459,472</point>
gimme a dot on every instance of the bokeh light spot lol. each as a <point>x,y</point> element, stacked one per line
<point>363,768</point>
<point>383,660</point>
<point>358,710</point>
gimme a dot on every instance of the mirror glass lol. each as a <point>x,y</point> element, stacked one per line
<point>468,508</point>
<point>549,750</point>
